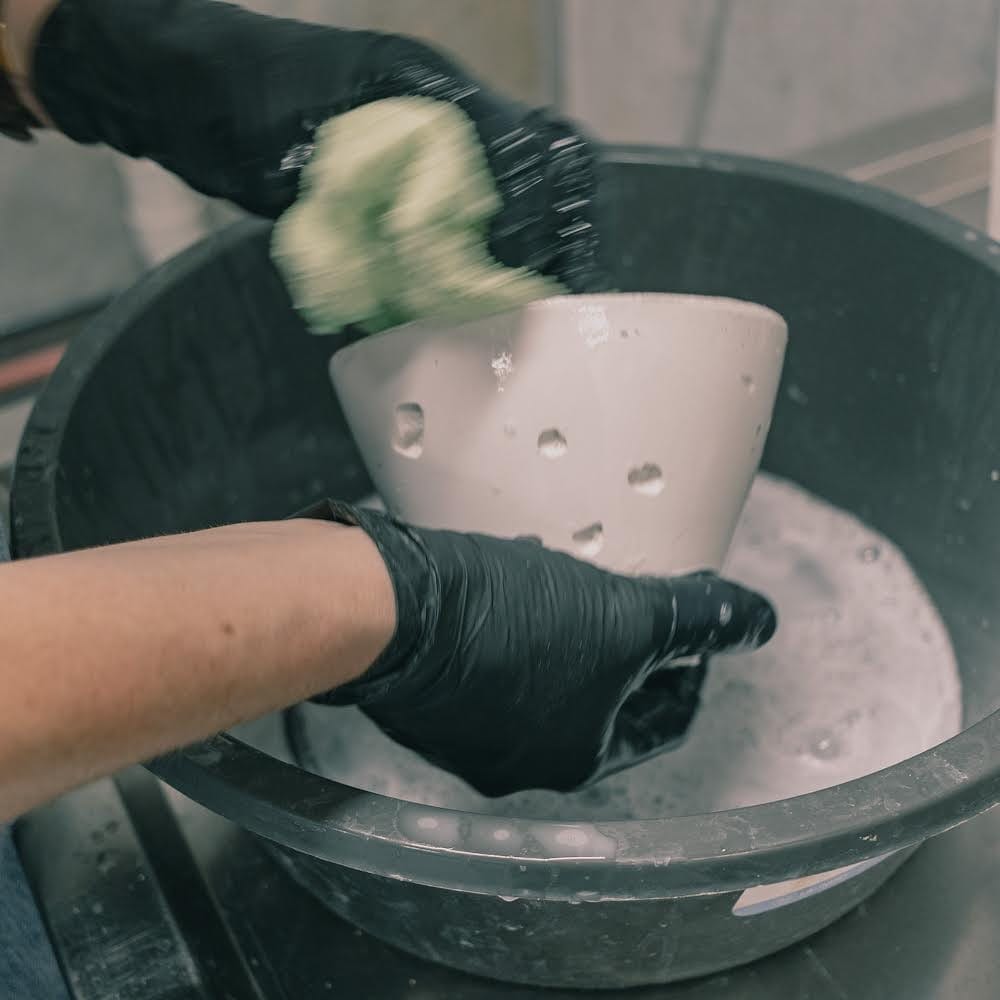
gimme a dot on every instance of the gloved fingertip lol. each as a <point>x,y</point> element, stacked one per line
<point>714,615</point>
<point>762,622</point>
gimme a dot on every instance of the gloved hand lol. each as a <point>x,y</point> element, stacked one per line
<point>516,667</point>
<point>228,100</point>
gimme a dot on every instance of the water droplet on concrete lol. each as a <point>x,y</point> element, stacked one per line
<point>590,540</point>
<point>502,365</point>
<point>408,436</point>
<point>647,479</point>
<point>594,325</point>
<point>870,554</point>
<point>725,613</point>
<point>749,384</point>
<point>551,444</point>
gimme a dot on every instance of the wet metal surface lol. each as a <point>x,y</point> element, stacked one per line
<point>929,935</point>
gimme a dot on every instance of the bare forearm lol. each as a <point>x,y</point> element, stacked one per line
<point>114,655</point>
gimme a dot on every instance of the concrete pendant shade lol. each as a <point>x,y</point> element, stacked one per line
<point>623,428</point>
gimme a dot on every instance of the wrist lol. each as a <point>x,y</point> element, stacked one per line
<point>416,596</point>
<point>335,553</point>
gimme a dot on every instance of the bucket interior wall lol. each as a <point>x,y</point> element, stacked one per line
<point>208,403</point>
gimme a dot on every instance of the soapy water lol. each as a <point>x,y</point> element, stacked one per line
<point>860,675</point>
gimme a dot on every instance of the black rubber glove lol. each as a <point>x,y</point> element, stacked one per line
<point>517,667</point>
<point>228,100</point>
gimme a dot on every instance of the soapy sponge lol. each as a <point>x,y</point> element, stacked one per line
<point>392,222</point>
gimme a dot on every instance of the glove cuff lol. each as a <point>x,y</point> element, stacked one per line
<point>417,589</point>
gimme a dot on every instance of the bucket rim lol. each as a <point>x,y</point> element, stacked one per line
<point>859,820</point>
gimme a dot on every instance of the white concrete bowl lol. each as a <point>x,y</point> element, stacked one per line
<point>624,428</point>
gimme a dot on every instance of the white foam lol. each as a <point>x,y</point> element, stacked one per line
<point>860,675</point>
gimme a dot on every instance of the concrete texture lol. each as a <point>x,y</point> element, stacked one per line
<point>769,76</point>
<point>793,75</point>
<point>635,70</point>
<point>65,238</point>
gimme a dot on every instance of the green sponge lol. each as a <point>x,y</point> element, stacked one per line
<point>392,220</point>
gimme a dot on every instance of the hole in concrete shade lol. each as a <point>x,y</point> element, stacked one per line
<point>647,479</point>
<point>408,434</point>
<point>551,444</point>
<point>590,540</point>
